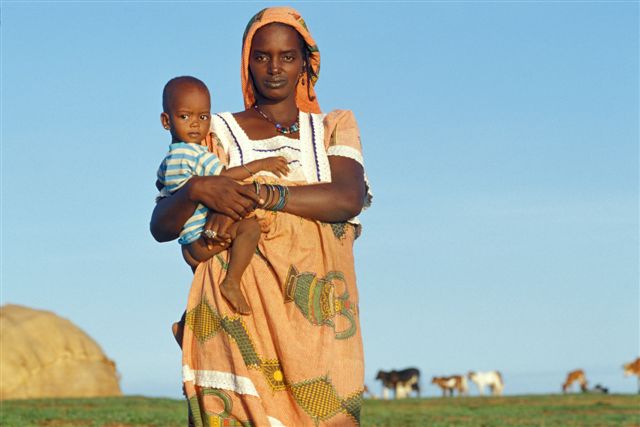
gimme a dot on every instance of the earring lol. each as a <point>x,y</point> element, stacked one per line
<point>302,81</point>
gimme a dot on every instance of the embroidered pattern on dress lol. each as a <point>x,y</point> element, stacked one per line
<point>319,398</point>
<point>223,263</point>
<point>276,149</point>
<point>205,323</point>
<point>314,145</point>
<point>339,229</point>
<point>224,418</point>
<point>315,298</point>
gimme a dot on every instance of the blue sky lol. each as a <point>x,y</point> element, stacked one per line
<point>501,141</point>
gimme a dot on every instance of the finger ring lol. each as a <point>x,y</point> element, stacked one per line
<point>210,234</point>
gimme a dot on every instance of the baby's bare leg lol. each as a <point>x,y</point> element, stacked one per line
<point>198,251</point>
<point>242,250</point>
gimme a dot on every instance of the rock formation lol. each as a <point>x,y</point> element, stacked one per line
<point>43,355</point>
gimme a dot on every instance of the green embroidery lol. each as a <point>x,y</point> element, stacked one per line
<point>352,405</point>
<point>194,411</point>
<point>238,331</point>
<point>223,263</point>
<point>319,398</point>
<point>339,229</point>
<point>316,300</point>
<point>224,418</point>
<point>204,321</point>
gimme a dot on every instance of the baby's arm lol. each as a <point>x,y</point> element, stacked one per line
<point>277,165</point>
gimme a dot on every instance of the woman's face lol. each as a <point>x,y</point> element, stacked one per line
<point>275,62</point>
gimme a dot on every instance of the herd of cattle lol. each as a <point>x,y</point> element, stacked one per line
<point>407,381</point>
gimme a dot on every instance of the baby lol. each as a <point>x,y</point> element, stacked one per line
<point>187,104</point>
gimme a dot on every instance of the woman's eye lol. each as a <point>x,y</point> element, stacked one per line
<point>261,58</point>
<point>288,58</point>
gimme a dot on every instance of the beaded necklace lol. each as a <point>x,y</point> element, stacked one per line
<point>295,127</point>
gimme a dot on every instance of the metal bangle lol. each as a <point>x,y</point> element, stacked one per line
<point>247,169</point>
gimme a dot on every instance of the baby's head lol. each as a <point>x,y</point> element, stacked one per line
<point>186,108</point>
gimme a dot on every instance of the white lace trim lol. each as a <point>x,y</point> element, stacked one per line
<point>273,422</point>
<point>346,151</point>
<point>321,157</point>
<point>218,379</point>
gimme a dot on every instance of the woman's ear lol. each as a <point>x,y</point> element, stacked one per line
<point>164,119</point>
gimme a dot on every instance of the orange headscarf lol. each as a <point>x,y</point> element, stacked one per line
<point>305,98</point>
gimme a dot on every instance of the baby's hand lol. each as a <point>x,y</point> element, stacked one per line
<point>276,165</point>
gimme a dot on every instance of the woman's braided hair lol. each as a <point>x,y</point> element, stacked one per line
<point>308,69</point>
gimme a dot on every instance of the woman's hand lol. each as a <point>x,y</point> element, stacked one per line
<point>223,195</point>
<point>216,230</point>
<point>218,193</point>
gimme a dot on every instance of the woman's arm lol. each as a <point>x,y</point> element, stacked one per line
<point>336,201</point>
<point>218,193</point>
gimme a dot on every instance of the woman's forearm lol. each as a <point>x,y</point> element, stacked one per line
<point>337,201</point>
<point>324,202</point>
<point>170,214</point>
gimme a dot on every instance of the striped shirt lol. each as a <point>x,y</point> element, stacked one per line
<point>181,163</point>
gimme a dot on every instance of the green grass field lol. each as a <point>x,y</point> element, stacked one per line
<point>545,410</point>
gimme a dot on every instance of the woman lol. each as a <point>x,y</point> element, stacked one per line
<point>297,359</point>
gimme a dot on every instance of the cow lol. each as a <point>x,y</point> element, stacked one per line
<point>493,379</point>
<point>599,388</point>
<point>575,376</point>
<point>451,383</point>
<point>633,368</point>
<point>401,382</point>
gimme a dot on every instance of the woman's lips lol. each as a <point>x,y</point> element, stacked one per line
<point>275,84</point>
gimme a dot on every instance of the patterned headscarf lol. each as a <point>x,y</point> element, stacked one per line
<point>305,95</point>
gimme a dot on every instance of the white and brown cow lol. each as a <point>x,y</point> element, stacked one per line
<point>401,382</point>
<point>493,379</point>
<point>632,368</point>
<point>575,376</point>
<point>451,383</point>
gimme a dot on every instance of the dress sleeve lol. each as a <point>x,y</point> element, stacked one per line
<point>216,140</point>
<point>342,138</point>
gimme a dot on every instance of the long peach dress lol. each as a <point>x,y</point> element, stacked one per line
<point>297,359</point>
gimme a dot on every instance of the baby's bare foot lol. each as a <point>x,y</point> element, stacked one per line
<point>233,294</point>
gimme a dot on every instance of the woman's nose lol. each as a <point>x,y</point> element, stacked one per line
<point>274,66</point>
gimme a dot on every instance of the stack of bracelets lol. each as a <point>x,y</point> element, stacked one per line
<point>277,196</point>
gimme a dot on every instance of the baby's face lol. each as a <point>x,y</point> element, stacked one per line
<point>190,114</point>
